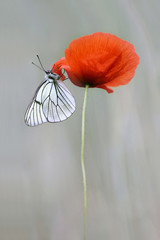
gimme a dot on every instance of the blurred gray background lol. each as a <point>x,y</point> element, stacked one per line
<point>41,192</point>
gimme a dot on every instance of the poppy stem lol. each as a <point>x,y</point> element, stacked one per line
<point>82,159</point>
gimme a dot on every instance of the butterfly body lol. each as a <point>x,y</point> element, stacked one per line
<point>52,102</point>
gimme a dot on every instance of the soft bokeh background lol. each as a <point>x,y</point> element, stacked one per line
<point>40,173</point>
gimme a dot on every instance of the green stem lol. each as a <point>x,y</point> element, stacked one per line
<point>82,159</point>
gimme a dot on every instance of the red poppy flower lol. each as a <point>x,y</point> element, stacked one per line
<point>100,60</point>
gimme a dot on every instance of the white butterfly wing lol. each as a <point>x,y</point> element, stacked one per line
<point>52,102</point>
<point>34,114</point>
<point>59,104</point>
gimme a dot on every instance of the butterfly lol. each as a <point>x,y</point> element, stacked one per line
<point>52,101</point>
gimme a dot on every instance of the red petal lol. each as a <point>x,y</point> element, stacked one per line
<point>101,58</point>
<point>105,87</point>
<point>57,68</point>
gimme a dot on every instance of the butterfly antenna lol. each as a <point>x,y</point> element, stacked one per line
<point>40,63</point>
<point>37,66</point>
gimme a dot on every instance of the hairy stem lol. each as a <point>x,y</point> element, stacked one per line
<point>82,159</point>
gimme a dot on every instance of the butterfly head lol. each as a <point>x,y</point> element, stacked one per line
<point>51,75</point>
